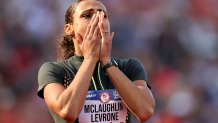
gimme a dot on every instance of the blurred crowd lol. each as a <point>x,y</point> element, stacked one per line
<point>177,41</point>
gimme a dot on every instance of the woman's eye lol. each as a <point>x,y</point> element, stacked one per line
<point>87,16</point>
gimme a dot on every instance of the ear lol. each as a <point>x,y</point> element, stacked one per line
<point>68,28</point>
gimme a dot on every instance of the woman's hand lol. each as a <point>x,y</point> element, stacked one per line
<point>106,41</point>
<point>91,42</point>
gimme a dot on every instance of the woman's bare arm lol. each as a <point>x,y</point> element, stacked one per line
<point>136,95</point>
<point>68,103</point>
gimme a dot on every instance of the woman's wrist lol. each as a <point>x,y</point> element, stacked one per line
<point>89,59</point>
<point>105,61</point>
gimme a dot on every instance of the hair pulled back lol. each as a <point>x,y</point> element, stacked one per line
<point>65,47</point>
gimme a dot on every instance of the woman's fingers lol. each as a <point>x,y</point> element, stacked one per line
<point>96,33</point>
<point>93,25</point>
<point>101,24</point>
<point>112,35</point>
<point>104,31</point>
<point>90,24</point>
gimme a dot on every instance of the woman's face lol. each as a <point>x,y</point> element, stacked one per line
<point>83,14</point>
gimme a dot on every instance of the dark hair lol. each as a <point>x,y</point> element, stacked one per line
<point>65,47</point>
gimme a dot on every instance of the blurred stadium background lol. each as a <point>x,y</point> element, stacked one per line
<point>177,41</point>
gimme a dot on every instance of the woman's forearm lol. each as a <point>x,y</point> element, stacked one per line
<point>72,99</point>
<point>136,96</point>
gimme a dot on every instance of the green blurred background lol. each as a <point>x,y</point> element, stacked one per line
<point>177,41</point>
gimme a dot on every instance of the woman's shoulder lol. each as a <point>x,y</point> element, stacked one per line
<point>132,68</point>
<point>52,65</point>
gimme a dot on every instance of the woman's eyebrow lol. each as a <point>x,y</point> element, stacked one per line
<point>92,10</point>
<point>88,10</point>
